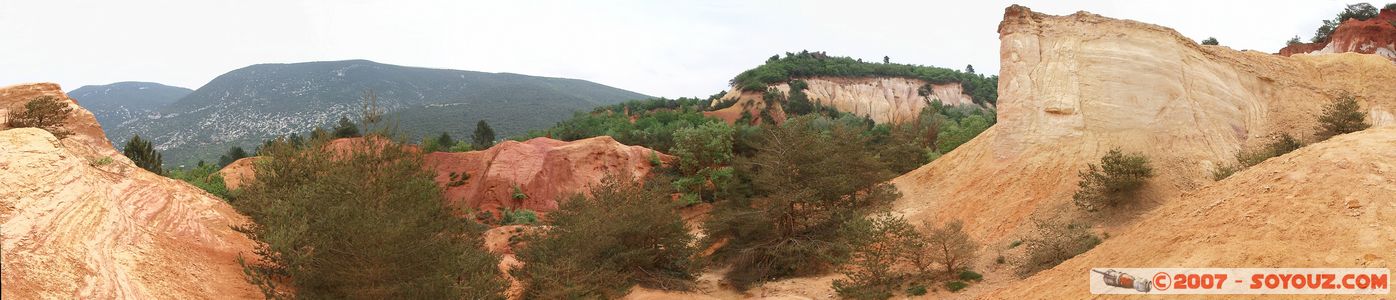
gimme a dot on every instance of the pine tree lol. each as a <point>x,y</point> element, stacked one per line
<point>445,140</point>
<point>346,129</point>
<point>143,154</point>
<point>484,135</point>
<point>45,113</point>
<point>1343,115</point>
<point>364,223</point>
<point>235,153</point>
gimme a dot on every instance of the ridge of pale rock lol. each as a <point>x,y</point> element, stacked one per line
<point>884,99</point>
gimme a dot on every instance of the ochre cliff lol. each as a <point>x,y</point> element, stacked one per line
<point>78,226</point>
<point>1073,87</point>
<point>884,99</point>
<point>1327,205</point>
<point>1372,36</point>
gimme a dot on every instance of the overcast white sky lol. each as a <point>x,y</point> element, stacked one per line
<point>661,48</point>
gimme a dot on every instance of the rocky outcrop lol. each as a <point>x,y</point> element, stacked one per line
<point>87,139</point>
<point>545,170</point>
<point>884,99</point>
<point>1338,192</point>
<point>79,228</point>
<point>1372,36</point>
<point>1073,87</point>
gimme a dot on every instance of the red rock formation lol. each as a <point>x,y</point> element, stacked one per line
<point>546,170</point>
<point>1372,36</point>
<point>76,225</point>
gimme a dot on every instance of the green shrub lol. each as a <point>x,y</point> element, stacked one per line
<point>1114,181</point>
<point>968,275</point>
<point>98,162</point>
<point>654,159</point>
<point>1054,243</point>
<point>598,247</point>
<point>916,290</point>
<point>518,217</point>
<point>45,112</point>
<point>1282,144</point>
<point>881,245</point>
<point>363,223</point>
<point>1210,41</point>
<point>518,193</point>
<point>204,176</point>
<point>1015,244</point>
<point>956,286</point>
<point>1343,115</point>
<point>807,183</point>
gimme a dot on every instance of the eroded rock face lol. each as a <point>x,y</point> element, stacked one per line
<point>1338,192</point>
<point>545,170</point>
<point>884,99</point>
<point>1073,87</point>
<point>77,229</point>
<point>1372,36</point>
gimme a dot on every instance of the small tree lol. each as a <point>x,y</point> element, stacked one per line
<point>1293,41</point>
<point>886,59</point>
<point>143,154</point>
<point>1114,181</point>
<point>951,247</point>
<point>969,69</point>
<point>366,222</point>
<point>704,153</point>
<point>1210,41</point>
<point>346,128</point>
<point>1343,115</point>
<point>234,153</point>
<point>1054,243</point>
<point>44,112</point>
<point>445,140</point>
<point>598,247</point>
<point>881,245</point>
<point>484,136</point>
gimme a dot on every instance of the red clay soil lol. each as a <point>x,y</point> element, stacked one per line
<point>1370,36</point>
<point>545,170</point>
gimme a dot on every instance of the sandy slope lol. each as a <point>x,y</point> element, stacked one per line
<point>1325,205</point>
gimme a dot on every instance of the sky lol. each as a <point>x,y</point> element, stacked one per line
<point>660,48</point>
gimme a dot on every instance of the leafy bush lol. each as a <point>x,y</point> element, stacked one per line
<point>1114,181</point>
<point>518,193</point>
<point>1282,144</point>
<point>956,286</point>
<point>916,290</point>
<point>968,275</point>
<point>98,162</point>
<point>950,247</point>
<point>1210,41</point>
<point>328,224</point>
<point>204,176</point>
<point>807,184</point>
<point>44,112</point>
<point>1054,243</point>
<point>655,122</point>
<point>881,245</point>
<point>705,155</point>
<point>518,217</point>
<point>1343,115</point>
<point>599,247</point>
<point>1294,41</point>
